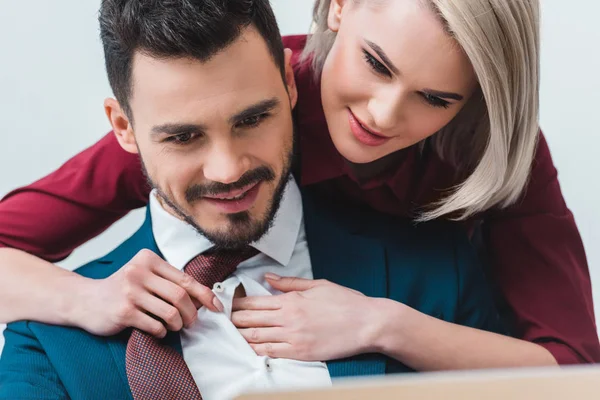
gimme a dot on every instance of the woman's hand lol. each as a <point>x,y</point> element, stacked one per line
<point>147,294</point>
<point>314,320</point>
<point>322,321</point>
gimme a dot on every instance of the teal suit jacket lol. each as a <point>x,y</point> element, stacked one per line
<point>430,267</point>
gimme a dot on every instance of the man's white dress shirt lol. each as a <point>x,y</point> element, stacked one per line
<point>221,361</point>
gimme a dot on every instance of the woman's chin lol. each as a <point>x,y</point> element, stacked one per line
<point>356,153</point>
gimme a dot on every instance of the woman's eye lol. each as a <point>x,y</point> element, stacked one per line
<point>375,65</point>
<point>435,101</point>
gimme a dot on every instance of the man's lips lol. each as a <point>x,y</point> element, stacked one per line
<point>232,195</point>
<point>235,201</point>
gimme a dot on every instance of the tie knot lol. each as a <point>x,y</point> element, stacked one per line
<point>217,264</point>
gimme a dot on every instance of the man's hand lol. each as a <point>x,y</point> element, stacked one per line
<point>147,293</point>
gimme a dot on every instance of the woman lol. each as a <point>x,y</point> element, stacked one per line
<point>431,109</point>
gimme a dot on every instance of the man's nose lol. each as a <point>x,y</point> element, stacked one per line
<point>225,164</point>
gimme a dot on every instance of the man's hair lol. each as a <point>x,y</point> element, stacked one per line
<point>197,29</point>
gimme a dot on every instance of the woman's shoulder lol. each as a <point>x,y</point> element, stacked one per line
<point>295,42</point>
<point>308,111</point>
<point>543,194</point>
<point>431,179</point>
<point>302,65</point>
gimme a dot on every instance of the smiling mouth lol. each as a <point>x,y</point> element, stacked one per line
<point>235,201</point>
<point>238,197</point>
<point>363,134</point>
<point>370,131</point>
<point>234,194</point>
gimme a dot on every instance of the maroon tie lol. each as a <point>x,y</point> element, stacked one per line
<point>157,371</point>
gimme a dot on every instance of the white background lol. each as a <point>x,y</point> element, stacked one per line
<point>52,84</point>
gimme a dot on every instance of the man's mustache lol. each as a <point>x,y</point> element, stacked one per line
<point>260,174</point>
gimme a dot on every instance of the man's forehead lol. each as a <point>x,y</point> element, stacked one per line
<point>242,74</point>
<point>248,54</point>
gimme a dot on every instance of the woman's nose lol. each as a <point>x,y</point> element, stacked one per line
<point>387,109</point>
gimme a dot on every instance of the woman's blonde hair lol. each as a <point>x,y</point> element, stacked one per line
<point>492,141</point>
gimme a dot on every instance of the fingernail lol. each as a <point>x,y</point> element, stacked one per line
<point>272,277</point>
<point>218,305</point>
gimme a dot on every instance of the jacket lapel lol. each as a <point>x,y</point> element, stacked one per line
<point>142,239</point>
<point>342,252</point>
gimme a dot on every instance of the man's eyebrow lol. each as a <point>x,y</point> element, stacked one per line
<point>386,60</point>
<point>255,109</point>
<point>177,129</point>
<point>251,111</point>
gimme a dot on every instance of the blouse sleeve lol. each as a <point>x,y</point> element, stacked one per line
<point>53,216</point>
<point>539,263</point>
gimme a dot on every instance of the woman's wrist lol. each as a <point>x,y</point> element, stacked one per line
<point>37,289</point>
<point>384,327</point>
<point>73,299</point>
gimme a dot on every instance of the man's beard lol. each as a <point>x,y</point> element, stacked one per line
<point>244,230</point>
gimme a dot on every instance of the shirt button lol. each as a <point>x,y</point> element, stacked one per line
<point>218,287</point>
<point>268,365</point>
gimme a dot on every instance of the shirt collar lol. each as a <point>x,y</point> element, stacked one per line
<point>179,242</point>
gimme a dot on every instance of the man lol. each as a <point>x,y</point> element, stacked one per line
<point>204,93</point>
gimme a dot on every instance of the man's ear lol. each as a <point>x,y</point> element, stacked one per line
<point>334,18</point>
<point>290,80</point>
<point>121,125</point>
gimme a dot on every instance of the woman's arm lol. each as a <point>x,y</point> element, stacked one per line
<point>429,344</point>
<point>468,342</point>
<point>68,207</point>
<point>75,203</point>
<point>539,263</point>
<point>146,286</point>
<point>53,216</point>
<point>34,289</point>
<point>320,320</point>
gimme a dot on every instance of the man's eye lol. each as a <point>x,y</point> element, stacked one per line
<point>182,138</point>
<point>253,121</point>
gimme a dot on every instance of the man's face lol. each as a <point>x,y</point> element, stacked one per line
<point>215,138</point>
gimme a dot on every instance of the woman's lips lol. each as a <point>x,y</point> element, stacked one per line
<point>363,135</point>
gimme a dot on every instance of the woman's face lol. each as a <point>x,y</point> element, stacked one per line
<point>393,77</point>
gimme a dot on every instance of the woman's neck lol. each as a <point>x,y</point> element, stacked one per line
<point>374,169</point>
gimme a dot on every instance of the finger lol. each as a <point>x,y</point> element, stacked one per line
<point>174,295</point>
<point>256,303</point>
<point>263,335</point>
<point>150,325</point>
<point>275,350</point>
<point>200,293</point>
<point>255,319</point>
<point>162,310</point>
<point>291,284</point>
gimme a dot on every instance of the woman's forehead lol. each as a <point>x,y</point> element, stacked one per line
<point>415,40</point>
